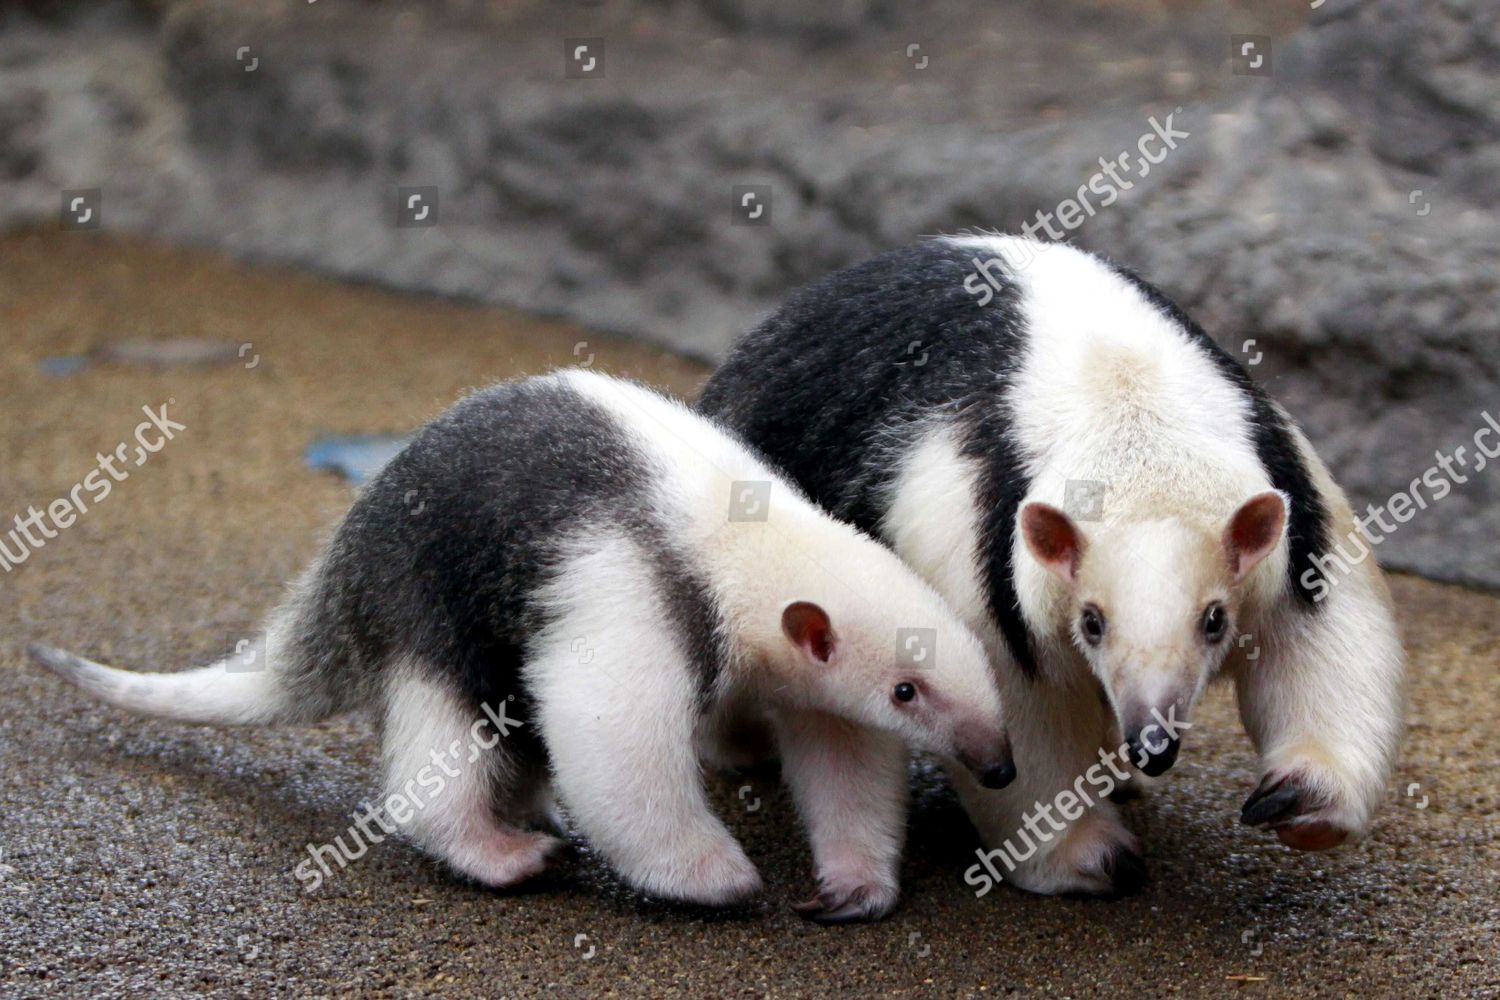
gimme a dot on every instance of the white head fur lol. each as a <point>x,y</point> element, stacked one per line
<point>1153,605</point>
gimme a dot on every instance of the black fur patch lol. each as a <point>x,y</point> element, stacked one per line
<point>827,386</point>
<point>442,555</point>
<point>689,599</point>
<point>1307,521</point>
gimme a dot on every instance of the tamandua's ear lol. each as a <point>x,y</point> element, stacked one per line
<point>1053,539</point>
<point>1254,531</point>
<point>808,627</point>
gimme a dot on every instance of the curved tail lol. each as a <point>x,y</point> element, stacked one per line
<point>247,688</point>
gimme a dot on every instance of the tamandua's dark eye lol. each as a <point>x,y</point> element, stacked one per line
<point>1091,623</point>
<point>1215,622</point>
<point>905,691</point>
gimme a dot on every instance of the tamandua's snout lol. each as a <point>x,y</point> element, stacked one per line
<point>967,726</point>
<point>986,753</point>
<point>963,712</point>
<point>998,775</point>
<point>1155,704</point>
<point>1153,745</point>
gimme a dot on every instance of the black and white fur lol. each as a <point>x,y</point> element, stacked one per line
<point>946,414</point>
<point>563,546</point>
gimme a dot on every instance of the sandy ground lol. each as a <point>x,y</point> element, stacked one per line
<point>144,858</point>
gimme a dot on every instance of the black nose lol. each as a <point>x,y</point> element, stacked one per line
<point>999,776</point>
<point>1154,754</point>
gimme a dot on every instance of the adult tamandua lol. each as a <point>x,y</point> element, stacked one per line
<point>567,546</point>
<point>946,396</point>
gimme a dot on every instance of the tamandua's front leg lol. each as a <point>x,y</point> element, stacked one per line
<point>618,711</point>
<point>850,786</point>
<point>1322,697</point>
<point>1056,731</point>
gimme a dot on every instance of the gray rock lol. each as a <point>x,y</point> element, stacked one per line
<point>1339,213</point>
<point>820,22</point>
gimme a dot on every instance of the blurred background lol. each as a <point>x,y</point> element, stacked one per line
<point>300,228</point>
<point>1330,217</point>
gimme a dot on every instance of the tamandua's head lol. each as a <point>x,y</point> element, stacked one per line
<point>1153,606</point>
<point>930,683</point>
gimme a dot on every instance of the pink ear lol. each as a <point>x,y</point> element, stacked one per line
<point>1053,539</point>
<point>1254,531</point>
<point>807,625</point>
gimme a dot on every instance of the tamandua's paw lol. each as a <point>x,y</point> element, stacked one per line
<point>720,876</point>
<point>1302,807</point>
<point>1097,856</point>
<point>502,858</point>
<point>850,898</point>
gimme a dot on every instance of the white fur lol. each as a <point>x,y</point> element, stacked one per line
<point>1325,697</point>
<point>931,521</point>
<point>798,553</point>
<point>240,689</point>
<point>620,729</point>
<point>850,785</point>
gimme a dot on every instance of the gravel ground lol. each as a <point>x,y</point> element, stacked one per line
<point>144,858</point>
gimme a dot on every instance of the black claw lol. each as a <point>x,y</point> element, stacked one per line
<point>829,907</point>
<point>847,914</point>
<point>1271,801</point>
<point>1126,871</point>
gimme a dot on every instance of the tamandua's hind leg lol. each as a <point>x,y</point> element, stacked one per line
<point>619,706</point>
<point>444,757</point>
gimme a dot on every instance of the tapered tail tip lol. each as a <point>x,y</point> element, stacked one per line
<point>59,661</point>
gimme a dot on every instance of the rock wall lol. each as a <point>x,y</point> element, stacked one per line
<point>1330,215</point>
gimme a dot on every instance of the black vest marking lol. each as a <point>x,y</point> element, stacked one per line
<point>442,555</point>
<point>1307,521</point>
<point>829,385</point>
